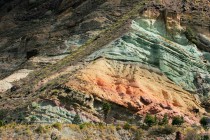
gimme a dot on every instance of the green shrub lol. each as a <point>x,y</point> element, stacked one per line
<point>77,119</point>
<point>57,125</point>
<point>150,120</point>
<point>204,122</point>
<point>177,120</point>
<point>2,123</point>
<point>164,121</point>
<point>41,129</point>
<point>34,105</point>
<point>190,34</point>
<point>205,137</point>
<point>81,126</point>
<point>127,126</point>
<point>106,109</point>
<point>32,118</point>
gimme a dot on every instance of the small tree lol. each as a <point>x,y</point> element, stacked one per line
<point>205,137</point>
<point>150,120</point>
<point>165,120</point>
<point>77,119</point>
<point>2,123</point>
<point>156,120</point>
<point>204,122</point>
<point>177,120</point>
<point>106,109</point>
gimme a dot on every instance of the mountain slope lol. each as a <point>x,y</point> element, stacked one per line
<point>62,58</point>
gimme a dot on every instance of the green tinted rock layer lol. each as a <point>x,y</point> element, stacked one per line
<point>149,42</point>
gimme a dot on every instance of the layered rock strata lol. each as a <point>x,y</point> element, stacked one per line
<point>149,68</point>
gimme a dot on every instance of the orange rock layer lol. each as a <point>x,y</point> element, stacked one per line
<point>140,89</point>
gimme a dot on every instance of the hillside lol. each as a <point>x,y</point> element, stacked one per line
<point>66,58</point>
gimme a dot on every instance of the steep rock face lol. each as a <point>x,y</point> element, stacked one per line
<point>161,44</point>
<point>49,111</point>
<point>148,68</point>
<point>137,87</point>
<point>144,70</point>
<point>62,104</point>
<point>57,27</point>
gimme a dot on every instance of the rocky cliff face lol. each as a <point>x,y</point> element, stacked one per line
<point>136,65</point>
<point>140,56</point>
<point>161,43</point>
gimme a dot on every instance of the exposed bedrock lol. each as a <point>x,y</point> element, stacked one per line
<point>151,68</point>
<point>140,88</point>
<point>160,42</point>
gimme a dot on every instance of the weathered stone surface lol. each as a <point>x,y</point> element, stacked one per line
<point>161,45</point>
<point>49,111</point>
<point>145,69</point>
<point>125,83</point>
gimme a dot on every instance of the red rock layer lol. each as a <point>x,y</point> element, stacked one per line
<point>136,88</point>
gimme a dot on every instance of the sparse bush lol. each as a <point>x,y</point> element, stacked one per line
<point>77,119</point>
<point>205,137</point>
<point>106,109</point>
<point>204,122</point>
<point>177,120</point>
<point>160,130</point>
<point>57,125</point>
<point>34,105</point>
<point>150,120</point>
<point>131,120</point>
<point>33,118</point>
<point>118,127</point>
<point>41,129</point>
<point>134,128</point>
<point>2,114</point>
<point>81,126</point>
<point>28,132</point>
<point>138,135</point>
<point>164,121</point>
<point>190,34</point>
<point>127,126</point>
<point>2,123</point>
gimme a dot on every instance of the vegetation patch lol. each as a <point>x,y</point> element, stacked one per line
<point>57,125</point>
<point>162,130</point>
<point>42,129</point>
<point>177,120</point>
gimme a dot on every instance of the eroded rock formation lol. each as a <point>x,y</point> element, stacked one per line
<point>140,56</point>
<point>149,68</point>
